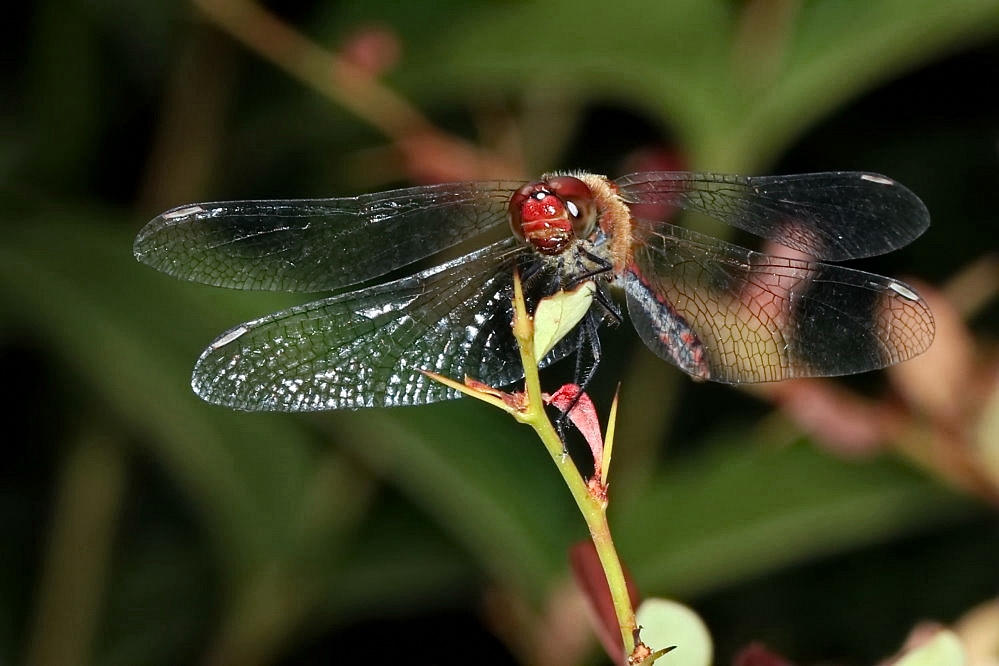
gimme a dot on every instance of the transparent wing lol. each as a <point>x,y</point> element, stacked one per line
<point>728,314</point>
<point>366,348</point>
<point>318,244</point>
<point>833,216</point>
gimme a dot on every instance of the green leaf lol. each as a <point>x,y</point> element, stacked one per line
<point>133,335</point>
<point>557,315</point>
<point>738,510</point>
<point>666,623</point>
<point>736,83</point>
<point>944,649</point>
<point>484,478</point>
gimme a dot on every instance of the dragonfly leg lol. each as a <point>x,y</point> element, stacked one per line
<point>588,354</point>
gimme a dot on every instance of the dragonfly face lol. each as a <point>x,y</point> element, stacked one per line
<point>551,214</point>
<point>718,311</point>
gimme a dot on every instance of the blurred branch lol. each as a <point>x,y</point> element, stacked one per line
<point>186,146</point>
<point>429,153</point>
<point>975,286</point>
<point>74,575</point>
<point>952,385</point>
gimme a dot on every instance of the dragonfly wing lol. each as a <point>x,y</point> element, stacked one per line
<point>727,314</point>
<point>834,216</point>
<point>367,348</point>
<point>318,244</point>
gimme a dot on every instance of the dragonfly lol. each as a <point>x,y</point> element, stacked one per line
<point>716,310</point>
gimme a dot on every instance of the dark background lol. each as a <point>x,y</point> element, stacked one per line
<point>140,525</point>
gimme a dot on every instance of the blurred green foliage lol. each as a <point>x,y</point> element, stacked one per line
<point>143,526</point>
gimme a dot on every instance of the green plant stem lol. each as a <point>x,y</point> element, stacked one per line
<point>594,510</point>
<point>595,514</point>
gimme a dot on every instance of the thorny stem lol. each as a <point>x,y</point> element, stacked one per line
<point>529,409</point>
<point>594,510</point>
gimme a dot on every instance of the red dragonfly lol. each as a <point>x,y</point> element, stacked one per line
<point>718,311</point>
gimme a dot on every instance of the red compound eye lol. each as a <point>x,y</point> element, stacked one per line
<point>578,202</point>
<point>551,214</point>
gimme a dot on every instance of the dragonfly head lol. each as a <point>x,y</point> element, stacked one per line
<point>549,214</point>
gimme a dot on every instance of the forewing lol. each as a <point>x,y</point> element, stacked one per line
<point>366,348</point>
<point>728,314</point>
<point>317,244</point>
<point>833,216</point>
